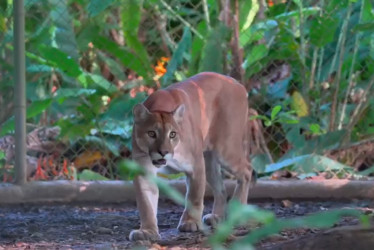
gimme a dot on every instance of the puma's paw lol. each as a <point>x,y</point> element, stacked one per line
<point>190,226</point>
<point>212,220</point>
<point>142,234</point>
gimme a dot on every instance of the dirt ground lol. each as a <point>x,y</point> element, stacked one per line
<point>90,226</point>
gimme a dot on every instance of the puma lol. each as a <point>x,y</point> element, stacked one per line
<point>194,126</point>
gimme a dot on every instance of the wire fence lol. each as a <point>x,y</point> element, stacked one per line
<point>307,66</point>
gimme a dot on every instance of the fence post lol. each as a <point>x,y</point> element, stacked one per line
<point>20,91</point>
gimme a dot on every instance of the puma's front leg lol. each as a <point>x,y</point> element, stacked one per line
<point>147,200</point>
<point>191,218</point>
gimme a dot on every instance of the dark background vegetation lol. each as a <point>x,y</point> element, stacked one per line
<point>307,65</point>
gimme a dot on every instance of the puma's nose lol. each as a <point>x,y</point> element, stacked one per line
<point>163,153</point>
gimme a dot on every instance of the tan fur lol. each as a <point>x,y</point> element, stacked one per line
<point>209,115</point>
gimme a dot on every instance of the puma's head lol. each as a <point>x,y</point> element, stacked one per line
<point>157,133</point>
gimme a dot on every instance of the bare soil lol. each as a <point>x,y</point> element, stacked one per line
<point>90,226</point>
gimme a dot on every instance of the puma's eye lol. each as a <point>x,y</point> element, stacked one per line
<point>172,134</point>
<point>151,134</point>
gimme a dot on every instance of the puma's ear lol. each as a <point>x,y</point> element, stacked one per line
<point>140,112</point>
<point>178,113</point>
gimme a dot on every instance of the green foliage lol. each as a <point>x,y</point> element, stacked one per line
<point>277,117</point>
<point>177,59</point>
<point>212,54</point>
<point>256,54</point>
<point>33,110</point>
<point>239,214</point>
<point>129,169</point>
<point>131,15</point>
<point>322,30</point>
<point>62,33</point>
<point>96,52</point>
<point>89,175</point>
<point>307,164</point>
<point>60,60</point>
<point>95,7</point>
<point>124,55</point>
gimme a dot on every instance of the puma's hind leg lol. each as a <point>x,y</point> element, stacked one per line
<point>214,178</point>
<point>243,177</point>
<point>238,165</point>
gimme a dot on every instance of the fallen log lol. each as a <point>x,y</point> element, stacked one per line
<point>122,191</point>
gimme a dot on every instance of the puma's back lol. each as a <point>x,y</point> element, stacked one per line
<point>213,102</point>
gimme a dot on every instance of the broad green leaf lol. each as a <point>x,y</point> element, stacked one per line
<point>259,161</point>
<point>128,169</point>
<point>284,163</point>
<point>239,214</point>
<point>127,58</point>
<point>279,89</point>
<point>95,7</point>
<point>213,51</point>
<point>197,46</point>
<point>306,12</point>
<point>168,191</point>
<point>262,117</point>
<point>367,172</point>
<point>71,129</point>
<point>255,54</point>
<point>86,35</point>
<point>322,30</point>
<point>288,120</point>
<point>256,32</point>
<point>3,27</point>
<point>307,164</point>
<point>299,104</point>
<point>363,27</point>
<point>297,2</point>
<point>58,59</point>
<point>247,14</point>
<point>121,107</point>
<point>37,68</point>
<point>315,128</point>
<point>183,47</point>
<point>248,36</point>
<point>317,163</point>
<point>7,126</point>
<point>35,108</point>
<point>73,92</point>
<point>116,127</point>
<point>367,15</point>
<point>171,176</point>
<point>103,83</point>
<point>316,145</point>
<point>131,16</point>
<point>63,36</point>
<point>113,66</point>
<point>2,155</point>
<point>89,175</point>
<point>275,111</point>
<point>104,143</point>
<point>323,219</point>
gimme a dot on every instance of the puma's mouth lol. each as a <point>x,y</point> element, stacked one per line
<point>159,162</point>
